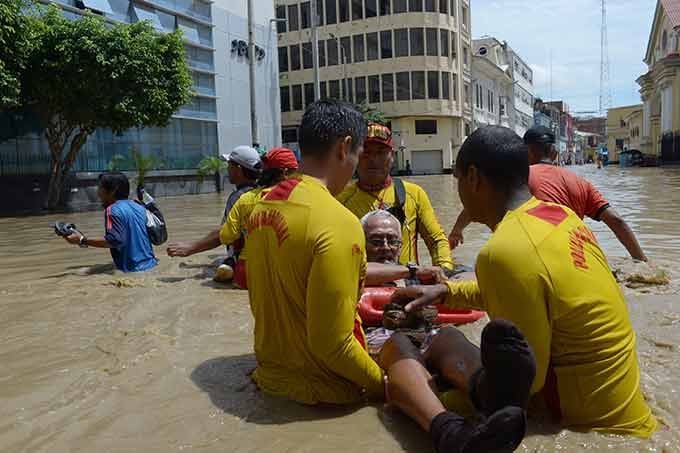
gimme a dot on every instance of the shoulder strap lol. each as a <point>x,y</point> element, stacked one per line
<point>399,192</point>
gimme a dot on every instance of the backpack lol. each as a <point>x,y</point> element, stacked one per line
<point>155,222</point>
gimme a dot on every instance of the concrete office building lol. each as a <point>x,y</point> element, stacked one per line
<point>410,59</point>
<point>217,117</point>
<point>512,93</point>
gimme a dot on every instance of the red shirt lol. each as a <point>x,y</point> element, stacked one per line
<point>561,186</point>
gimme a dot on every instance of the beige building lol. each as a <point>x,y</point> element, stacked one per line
<point>634,123</point>
<point>660,86</point>
<point>410,59</point>
<point>618,129</point>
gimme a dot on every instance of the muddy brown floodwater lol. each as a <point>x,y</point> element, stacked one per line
<point>92,360</point>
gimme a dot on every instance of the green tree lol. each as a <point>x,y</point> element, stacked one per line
<point>86,74</point>
<point>211,165</point>
<point>372,114</point>
<point>14,44</point>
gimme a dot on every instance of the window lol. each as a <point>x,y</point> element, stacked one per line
<point>453,8</point>
<point>418,85</point>
<point>386,44</point>
<point>191,30</point>
<point>415,6</point>
<point>403,86</point>
<point>309,93</point>
<point>664,40</point>
<point>478,96</point>
<point>297,97</point>
<point>281,14</point>
<point>346,47</point>
<point>431,39</point>
<point>322,90</point>
<point>426,127</point>
<point>466,93</point>
<point>387,87</point>
<point>350,90</point>
<point>289,135</point>
<point>446,86</point>
<point>331,12</point>
<point>322,53</point>
<point>400,6</point>
<point>465,55</point>
<point>295,57</point>
<point>101,6</point>
<point>334,89</point>
<point>374,89</point>
<point>385,9</point>
<point>401,42</point>
<point>490,101</point>
<point>464,16</point>
<point>417,42</point>
<point>307,60</point>
<point>199,58</point>
<point>332,56</point>
<point>293,18</point>
<point>444,6</point>
<point>467,129</point>
<point>304,15</point>
<point>372,46</point>
<point>359,53</point>
<point>357,10</point>
<point>283,59</point>
<point>319,12</point>
<point>432,85</point>
<point>444,40</point>
<point>360,84</point>
<point>285,98</point>
<point>430,6</point>
<point>454,45</point>
<point>371,8</point>
<point>343,8</point>
<point>454,88</point>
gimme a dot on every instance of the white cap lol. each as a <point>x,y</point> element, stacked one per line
<point>245,156</point>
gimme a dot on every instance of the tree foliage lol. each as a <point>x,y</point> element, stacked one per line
<point>85,74</point>
<point>14,45</point>
<point>211,165</point>
<point>372,114</point>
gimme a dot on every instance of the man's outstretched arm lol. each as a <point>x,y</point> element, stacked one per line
<point>188,248</point>
<point>623,232</point>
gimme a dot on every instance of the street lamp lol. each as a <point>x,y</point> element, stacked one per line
<point>343,57</point>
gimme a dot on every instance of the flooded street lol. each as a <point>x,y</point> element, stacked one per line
<point>94,360</point>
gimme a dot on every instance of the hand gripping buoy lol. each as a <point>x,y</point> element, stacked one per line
<point>374,299</point>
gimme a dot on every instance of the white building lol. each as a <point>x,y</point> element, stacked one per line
<point>409,59</point>
<point>510,94</point>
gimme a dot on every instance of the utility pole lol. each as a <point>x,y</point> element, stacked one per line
<point>315,50</point>
<point>251,67</point>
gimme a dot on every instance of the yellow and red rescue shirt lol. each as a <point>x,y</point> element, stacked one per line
<point>543,270</point>
<point>306,265</point>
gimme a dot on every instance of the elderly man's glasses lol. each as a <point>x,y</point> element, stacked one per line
<point>389,242</point>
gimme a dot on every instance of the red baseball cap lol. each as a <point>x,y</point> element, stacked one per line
<point>280,158</point>
<point>379,134</point>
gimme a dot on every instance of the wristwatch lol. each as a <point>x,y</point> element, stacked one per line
<point>412,269</point>
<point>83,242</point>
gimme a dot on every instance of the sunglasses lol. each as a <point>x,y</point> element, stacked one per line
<point>379,242</point>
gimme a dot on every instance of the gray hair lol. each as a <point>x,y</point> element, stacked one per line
<point>380,213</point>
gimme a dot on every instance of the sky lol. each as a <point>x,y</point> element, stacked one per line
<point>570,31</point>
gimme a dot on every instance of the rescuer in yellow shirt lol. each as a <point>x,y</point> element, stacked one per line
<point>306,266</point>
<point>279,164</point>
<point>543,271</point>
<point>408,202</point>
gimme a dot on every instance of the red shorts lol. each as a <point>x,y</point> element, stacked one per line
<point>240,279</point>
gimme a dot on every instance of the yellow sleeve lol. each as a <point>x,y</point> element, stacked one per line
<point>464,294</point>
<point>331,302</point>
<point>231,228</point>
<point>518,292</point>
<point>432,232</point>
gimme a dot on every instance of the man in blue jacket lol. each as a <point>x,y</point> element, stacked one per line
<point>125,226</point>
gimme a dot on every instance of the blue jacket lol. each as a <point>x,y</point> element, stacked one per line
<point>126,233</point>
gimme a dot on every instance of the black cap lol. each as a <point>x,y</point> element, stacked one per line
<point>539,134</point>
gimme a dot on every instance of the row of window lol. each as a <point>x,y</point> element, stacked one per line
<point>423,127</point>
<point>490,100</point>
<point>402,42</point>
<point>402,86</point>
<point>298,16</point>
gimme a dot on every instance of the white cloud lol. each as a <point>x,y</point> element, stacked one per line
<point>570,31</point>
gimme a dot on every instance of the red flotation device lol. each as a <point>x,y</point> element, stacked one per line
<point>374,299</point>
